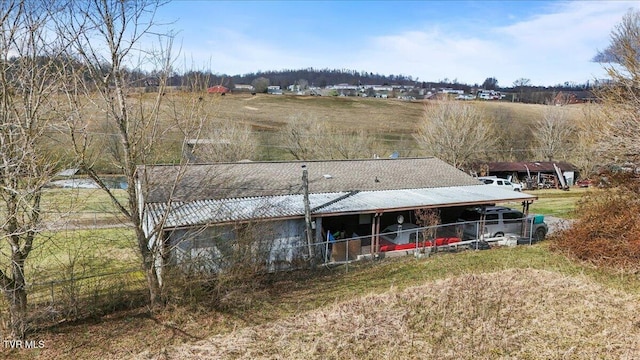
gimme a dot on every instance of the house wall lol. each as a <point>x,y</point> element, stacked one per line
<point>277,245</point>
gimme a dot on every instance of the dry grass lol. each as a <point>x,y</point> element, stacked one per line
<point>517,313</point>
<point>607,229</point>
<point>332,313</point>
<point>392,122</point>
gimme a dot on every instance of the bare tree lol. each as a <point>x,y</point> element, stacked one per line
<point>303,84</point>
<point>553,134</point>
<point>619,141</point>
<point>490,83</point>
<point>28,93</point>
<point>586,153</point>
<point>106,37</point>
<point>308,138</point>
<point>224,142</point>
<point>456,132</point>
<point>520,84</point>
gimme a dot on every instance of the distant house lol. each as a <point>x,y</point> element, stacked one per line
<point>199,208</point>
<point>274,90</point>
<point>243,87</point>
<point>218,89</point>
<point>489,95</point>
<point>577,97</point>
<point>450,91</point>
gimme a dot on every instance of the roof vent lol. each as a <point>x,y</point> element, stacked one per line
<point>327,176</point>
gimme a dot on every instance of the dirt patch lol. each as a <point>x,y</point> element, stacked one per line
<point>509,314</point>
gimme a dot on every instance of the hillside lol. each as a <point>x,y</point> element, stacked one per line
<point>515,313</point>
<point>391,122</point>
<point>524,302</point>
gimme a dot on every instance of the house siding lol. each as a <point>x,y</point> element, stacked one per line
<point>281,245</point>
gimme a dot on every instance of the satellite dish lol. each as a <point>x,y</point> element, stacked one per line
<point>395,155</point>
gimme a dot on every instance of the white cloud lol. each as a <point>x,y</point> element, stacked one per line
<point>549,48</point>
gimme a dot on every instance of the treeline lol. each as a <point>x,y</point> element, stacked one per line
<point>325,77</point>
<point>200,80</point>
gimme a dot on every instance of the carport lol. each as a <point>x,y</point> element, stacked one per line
<point>367,213</point>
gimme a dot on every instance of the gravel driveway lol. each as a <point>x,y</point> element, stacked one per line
<point>556,223</point>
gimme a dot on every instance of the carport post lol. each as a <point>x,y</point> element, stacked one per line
<point>375,233</point>
<point>526,228</point>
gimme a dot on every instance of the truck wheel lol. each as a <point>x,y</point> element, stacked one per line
<point>539,234</point>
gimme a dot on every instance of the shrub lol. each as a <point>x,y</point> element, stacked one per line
<point>607,228</point>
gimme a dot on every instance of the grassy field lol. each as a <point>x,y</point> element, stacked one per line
<point>522,302</point>
<point>554,202</point>
<point>78,208</point>
<point>391,121</point>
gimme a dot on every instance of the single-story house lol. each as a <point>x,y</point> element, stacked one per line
<point>197,208</point>
<point>533,173</point>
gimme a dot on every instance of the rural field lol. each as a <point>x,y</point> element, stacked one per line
<point>392,123</point>
<point>525,302</point>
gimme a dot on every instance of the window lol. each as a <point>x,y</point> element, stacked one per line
<point>512,215</point>
<point>500,182</point>
<point>491,219</point>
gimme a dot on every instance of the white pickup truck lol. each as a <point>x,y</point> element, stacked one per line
<point>504,183</point>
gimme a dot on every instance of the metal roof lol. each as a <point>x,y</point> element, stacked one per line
<point>200,212</point>
<point>534,166</point>
<point>258,179</point>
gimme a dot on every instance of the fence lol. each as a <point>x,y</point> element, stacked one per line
<point>78,297</point>
<point>74,298</point>
<point>415,239</point>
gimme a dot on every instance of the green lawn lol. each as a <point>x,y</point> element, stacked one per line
<point>553,202</point>
<point>81,207</point>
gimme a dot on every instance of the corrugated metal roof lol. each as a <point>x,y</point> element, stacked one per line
<point>534,166</point>
<point>230,210</point>
<point>286,206</point>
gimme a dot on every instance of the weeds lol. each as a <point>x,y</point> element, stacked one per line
<point>607,229</point>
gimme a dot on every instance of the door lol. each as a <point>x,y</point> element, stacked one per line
<point>512,221</point>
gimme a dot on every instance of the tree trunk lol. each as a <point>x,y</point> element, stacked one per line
<point>17,298</point>
<point>156,298</point>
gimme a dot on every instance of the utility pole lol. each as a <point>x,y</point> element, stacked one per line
<point>307,215</point>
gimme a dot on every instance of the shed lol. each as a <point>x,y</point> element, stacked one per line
<point>197,208</point>
<point>521,171</point>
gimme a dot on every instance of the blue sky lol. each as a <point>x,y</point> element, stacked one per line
<point>548,42</point>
